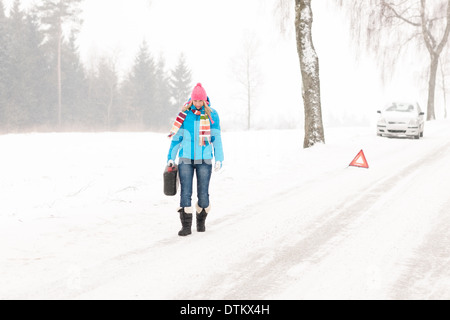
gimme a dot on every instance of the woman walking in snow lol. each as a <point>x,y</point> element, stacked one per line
<point>196,139</point>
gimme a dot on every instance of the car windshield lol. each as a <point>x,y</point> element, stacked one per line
<point>401,107</point>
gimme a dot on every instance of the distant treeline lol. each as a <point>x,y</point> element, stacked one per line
<point>45,87</point>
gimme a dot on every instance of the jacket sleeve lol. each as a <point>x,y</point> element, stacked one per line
<point>175,144</point>
<point>216,137</point>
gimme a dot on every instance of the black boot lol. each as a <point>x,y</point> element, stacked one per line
<point>186,222</point>
<point>201,217</point>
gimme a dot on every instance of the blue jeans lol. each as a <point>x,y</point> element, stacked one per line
<point>203,170</point>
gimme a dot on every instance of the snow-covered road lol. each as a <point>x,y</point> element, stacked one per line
<point>83,216</point>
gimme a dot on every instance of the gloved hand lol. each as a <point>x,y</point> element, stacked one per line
<point>170,163</point>
<point>217,166</point>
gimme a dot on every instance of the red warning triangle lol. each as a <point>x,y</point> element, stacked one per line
<point>360,161</point>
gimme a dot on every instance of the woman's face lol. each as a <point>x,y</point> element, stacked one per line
<point>198,103</point>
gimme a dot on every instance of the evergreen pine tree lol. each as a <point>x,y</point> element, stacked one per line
<point>142,82</point>
<point>35,65</point>
<point>16,113</point>
<point>165,111</point>
<point>3,64</point>
<point>180,83</point>
<point>23,69</point>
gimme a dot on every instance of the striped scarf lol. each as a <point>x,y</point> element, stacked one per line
<point>205,125</point>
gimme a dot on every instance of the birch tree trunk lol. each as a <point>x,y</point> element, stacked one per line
<point>247,72</point>
<point>309,65</point>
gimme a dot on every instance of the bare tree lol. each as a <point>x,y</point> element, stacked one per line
<point>428,22</point>
<point>108,73</point>
<point>247,72</point>
<point>434,45</point>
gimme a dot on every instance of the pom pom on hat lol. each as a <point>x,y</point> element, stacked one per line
<point>199,93</point>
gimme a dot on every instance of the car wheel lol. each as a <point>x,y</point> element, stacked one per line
<point>421,134</point>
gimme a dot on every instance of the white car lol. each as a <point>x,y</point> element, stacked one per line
<point>401,119</point>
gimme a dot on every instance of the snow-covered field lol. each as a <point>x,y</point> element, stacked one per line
<point>83,216</point>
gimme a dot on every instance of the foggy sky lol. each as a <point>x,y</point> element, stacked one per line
<point>210,34</point>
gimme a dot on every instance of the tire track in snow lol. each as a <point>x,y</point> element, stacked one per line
<point>428,275</point>
<point>261,276</point>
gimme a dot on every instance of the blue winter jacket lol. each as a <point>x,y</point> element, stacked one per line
<point>186,142</point>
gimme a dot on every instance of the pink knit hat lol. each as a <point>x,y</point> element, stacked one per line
<point>199,93</point>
